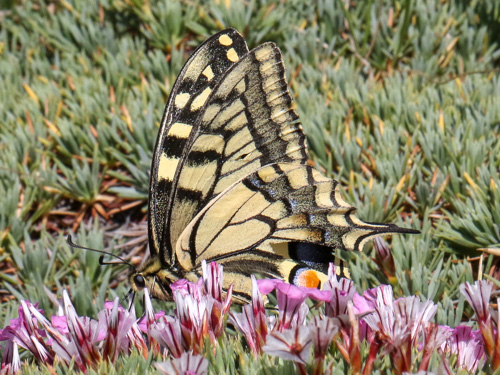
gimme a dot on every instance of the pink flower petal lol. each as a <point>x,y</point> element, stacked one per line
<point>266,286</point>
<point>60,323</point>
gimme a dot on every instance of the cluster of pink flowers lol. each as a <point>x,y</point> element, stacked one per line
<point>395,328</point>
<point>342,319</point>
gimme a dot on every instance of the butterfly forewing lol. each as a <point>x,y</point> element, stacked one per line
<point>247,122</point>
<point>199,75</point>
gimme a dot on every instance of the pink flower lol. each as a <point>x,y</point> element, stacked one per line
<point>467,345</point>
<point>292,310</point>
<point>25,332</point>
<point>201,311</point>
<point>323,331</point>
<point>150,316</point>
<point>252,321</point>
<point>185,288</point>
<point>292,344</point>
<point>368,301</point>
<point>478,295</point>
<point>415,314</point>
<point>83,334</point>
<point>73,338</point>
<point>181,284</point>
<point>266,286</point>
<point>393,328</point>
<point>192,315</point>
<point>60,323</point>
<point>11,364</point>
<point>212,280</point>
<point>435,337</point>
<point>118,323</point>
<point>398,325</point>
<point>342,291</point>
<point>186,364</point>
<point>384,258</point>
<point>168,334</point>
<point>399,319</point>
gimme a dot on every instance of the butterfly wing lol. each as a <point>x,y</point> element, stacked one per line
<point>199,75</point>
<point>277,221</point>
<point>243,122</point>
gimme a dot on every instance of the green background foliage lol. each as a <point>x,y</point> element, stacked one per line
<point>400,101</point>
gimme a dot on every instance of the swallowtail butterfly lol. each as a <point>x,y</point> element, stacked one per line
<point>230,181</point>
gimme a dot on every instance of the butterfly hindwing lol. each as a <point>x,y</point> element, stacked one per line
<point>258,224</point>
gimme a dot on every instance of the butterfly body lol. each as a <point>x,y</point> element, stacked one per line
<point>230,181</point>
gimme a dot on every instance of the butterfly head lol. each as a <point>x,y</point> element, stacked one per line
<point>156,277</point>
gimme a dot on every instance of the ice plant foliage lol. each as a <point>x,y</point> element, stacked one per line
<point>363,328</point>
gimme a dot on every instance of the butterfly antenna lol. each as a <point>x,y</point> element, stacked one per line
<point>101,258</point>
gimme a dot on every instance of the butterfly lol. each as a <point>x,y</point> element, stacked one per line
<point>231,183</point>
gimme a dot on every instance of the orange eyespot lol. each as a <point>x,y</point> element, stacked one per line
<point>308,278</point>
